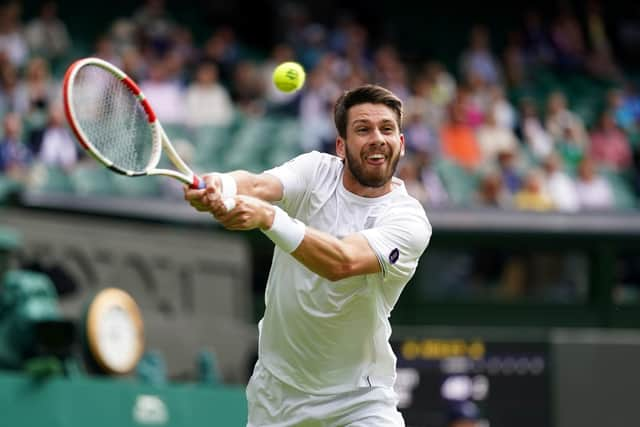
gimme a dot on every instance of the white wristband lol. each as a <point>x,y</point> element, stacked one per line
<point>286,232</point>
<point>229,189</point>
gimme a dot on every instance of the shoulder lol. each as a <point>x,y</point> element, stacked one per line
<point>406,212</point>
<point>320,157</point>
<point>313,161</point>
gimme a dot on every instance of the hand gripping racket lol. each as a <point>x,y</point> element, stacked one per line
<point>115,123</point>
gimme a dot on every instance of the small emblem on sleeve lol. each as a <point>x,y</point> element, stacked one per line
<point>393,256</point>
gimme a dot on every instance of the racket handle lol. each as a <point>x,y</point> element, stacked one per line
<point>198,183</point>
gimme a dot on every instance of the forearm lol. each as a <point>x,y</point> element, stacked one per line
<point>329,257</point>
<point>320,252</point>
<point>264,187</point>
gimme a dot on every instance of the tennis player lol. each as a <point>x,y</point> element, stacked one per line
<point>348,238</point>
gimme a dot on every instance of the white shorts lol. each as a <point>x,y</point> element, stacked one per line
<point>273,403</point>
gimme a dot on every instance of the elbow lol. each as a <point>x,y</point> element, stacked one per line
<point>339,271</point>
<point>343,266</point>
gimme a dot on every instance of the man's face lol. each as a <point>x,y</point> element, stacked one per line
<point>373,144</point>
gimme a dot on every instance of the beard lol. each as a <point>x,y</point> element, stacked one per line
<point>372,178</point>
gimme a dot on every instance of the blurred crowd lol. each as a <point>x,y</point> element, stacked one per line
<point>549,121</point>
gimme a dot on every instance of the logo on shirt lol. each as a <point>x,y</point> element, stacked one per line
<point>370,222</point>
<point>394,255</point>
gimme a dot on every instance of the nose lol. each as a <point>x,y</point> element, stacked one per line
<point>378,137</point>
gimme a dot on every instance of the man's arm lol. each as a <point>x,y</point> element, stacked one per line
<point>325,255</point>
<point>263,186</point>
<point>334,258</point>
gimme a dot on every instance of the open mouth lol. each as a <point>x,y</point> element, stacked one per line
<point>376,159</point>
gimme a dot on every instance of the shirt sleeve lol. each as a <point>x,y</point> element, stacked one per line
<point>399,240</point>
<point>295,176</point>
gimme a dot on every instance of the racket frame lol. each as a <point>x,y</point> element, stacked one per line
<point>159,137</point>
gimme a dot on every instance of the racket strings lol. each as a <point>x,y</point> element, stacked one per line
<point>112,119</point>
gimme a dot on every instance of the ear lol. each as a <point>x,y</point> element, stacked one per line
<point>401,145</point>
<point>340,148</point>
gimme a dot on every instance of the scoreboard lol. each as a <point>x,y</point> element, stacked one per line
<point>508,380</point>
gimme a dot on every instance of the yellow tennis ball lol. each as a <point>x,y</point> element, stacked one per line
<point>288,76</point>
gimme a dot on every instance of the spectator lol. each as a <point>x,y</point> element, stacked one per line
<point>37,92</point>
<point>473,104</point>
<point>609,145</point>
<point>222,48</point>
<point>12,98</point>
<point>207,101</point>
<point>504,112</point>
<point>314,44</point>
<point>623,108</point>
<point>533,196</point>
<point>316,100</point>
<point>560,121</point>
<point>133,63</point>
<point>182,45</point>
<point>15,157</point>
<point>123,34</point>
<point>478,59</point>
<point>355,51</point>
<point>571,148</point>
<point>491,191</point>
<point>419,136</point>
<point>443,85</point>
<point>594,192</point>
<point>458,139</point>
<point>559,185</point>
<point>58,147</point>
<point>493,138</point>
<point>510,171</point>
<point>155,25</point>
<point>515,61</point>
<point>390,71</point>
<point>247,89</point>
<point>409,172</point>
<point>421,103</point>
<point>47,35</point>
<point>533,133</point>
<point>165,93</point>
<point>436,192</point>
<point>12,42</point>
<point>105,49</point>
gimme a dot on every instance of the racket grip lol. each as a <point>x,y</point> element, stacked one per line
<point>198,183</point>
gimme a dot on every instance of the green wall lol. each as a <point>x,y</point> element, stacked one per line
<point>96,402</point>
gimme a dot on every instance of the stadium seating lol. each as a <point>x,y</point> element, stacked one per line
<point>210,144</point>
<point>459,183</point>
<point>250,144</point>
<point>92,180</point>
<point>142,186</point>
<point>624,198</point>
<point>50,179</point>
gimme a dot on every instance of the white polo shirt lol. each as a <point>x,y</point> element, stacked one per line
<point>326,337</point>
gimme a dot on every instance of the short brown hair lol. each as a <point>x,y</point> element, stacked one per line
<point>373,94</point>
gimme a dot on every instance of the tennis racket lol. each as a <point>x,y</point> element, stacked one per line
<point>116,125</point>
